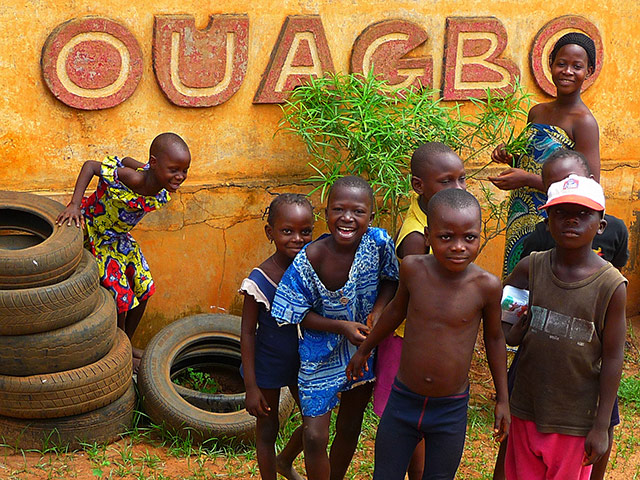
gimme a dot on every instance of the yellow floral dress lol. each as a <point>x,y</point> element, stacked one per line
<point>110,213</point>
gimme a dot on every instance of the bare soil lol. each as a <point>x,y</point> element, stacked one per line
<point>148,457</point>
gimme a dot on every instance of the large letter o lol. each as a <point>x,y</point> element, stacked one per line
<point>546,39</point>
<point>91,63</point>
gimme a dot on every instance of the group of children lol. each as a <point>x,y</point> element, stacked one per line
<point>315,310</point>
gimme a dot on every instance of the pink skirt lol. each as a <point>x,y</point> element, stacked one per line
<point>387,364</point>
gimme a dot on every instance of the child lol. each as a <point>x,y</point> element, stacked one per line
<point>434,167</point>
<point>564,122</point>
<point>127,191</point>
<point>610,245</point>
<point>576,321</point>
<point>443,297</point>
<point>333,285</point>
<point>270,352</point>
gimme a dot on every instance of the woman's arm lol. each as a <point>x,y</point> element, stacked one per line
<point>72,213</point>
<point>586,136</point>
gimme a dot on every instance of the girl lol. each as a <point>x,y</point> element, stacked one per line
<point>565,122</point>
<point>333,285</point>
<point>269,352</point>
<point>127,191</point>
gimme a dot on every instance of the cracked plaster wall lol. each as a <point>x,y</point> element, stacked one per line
<point>203,244</point>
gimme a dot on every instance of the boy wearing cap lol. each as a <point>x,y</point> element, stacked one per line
<point>572,343</point>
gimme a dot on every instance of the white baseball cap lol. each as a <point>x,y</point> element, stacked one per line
<point>576,189</point>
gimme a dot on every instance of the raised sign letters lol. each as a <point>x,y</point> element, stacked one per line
<point>200,68</point>
<point>92,63</point>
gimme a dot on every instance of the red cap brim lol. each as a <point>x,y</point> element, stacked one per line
<point>576,199</point>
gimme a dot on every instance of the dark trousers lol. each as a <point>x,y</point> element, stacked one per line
<point>409,417</point>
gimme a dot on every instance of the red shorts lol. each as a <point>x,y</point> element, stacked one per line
<point>532,455</point>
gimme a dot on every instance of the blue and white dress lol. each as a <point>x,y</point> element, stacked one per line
<point>324,356</point>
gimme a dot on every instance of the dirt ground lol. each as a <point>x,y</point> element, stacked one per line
<point>143,456</point>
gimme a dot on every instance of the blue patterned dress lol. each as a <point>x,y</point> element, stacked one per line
<point>324,356</point>
<point>523,213</point>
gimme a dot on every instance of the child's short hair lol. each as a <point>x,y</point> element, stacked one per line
<point>576,38</point>
<point>453,198</point>
<point>166,140</point>
<point>352,181</point>
<point>286,199</point>
<point>424,153</point>
<point>561,154</point>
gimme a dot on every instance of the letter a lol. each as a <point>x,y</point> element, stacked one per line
<point>301,51</point>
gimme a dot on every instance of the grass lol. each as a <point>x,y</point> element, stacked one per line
<point>151,452</point>
<point>197,380</point>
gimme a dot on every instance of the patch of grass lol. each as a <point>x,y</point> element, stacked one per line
<point>197,380</point>
<point>629,391</point>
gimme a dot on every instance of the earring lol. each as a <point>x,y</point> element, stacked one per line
<point>271,240</point>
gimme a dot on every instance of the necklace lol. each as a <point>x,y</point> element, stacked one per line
<point>273,259</point>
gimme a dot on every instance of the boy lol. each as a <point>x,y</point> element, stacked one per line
<point>610,245</point>
<point>572,343</point>
<point>431,391</point>
<point>434,167</point>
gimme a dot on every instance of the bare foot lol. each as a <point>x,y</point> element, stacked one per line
<point>287,470</point>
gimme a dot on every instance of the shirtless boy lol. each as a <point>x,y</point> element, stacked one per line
<point>430,395</point>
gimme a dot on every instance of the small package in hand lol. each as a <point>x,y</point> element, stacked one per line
<point>514,303</point>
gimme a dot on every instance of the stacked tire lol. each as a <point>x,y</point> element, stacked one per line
<point>65,367</point>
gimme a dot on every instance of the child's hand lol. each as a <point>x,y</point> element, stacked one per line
<point>372,319</point>
<point>71,214</point>
<point>510,179</point>
<point>500,155</point>
<point>357,366</point>
<point>355,332</point>
<point>502,421</point>
<point>595,445</point>
<point>255,403</point>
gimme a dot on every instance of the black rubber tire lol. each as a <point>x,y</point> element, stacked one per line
<point>225,352</point>
<point>73,346</point>
<point>47,263</point>
<point>40,309</point>
<point>166,407</point>
<point>103,425</point>
<point>71,392</point>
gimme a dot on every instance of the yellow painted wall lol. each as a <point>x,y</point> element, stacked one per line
<point>207,240</point>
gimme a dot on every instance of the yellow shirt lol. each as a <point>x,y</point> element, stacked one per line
<point>414,221</point>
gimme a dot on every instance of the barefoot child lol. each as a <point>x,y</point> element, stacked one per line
<point>443,297</point>
<point>331,288</point>
<point>127,191</point>
<point>270,352</point>
<point>434,167</point>
<point>565,122</point>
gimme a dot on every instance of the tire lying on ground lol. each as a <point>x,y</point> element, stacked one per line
<point>103,425</point>
<point>40,309</point>
<point>46,263</point>
<point>218,353</point>
<point>162,402</point>
<point>71,392</point>
<point>73,346</point>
